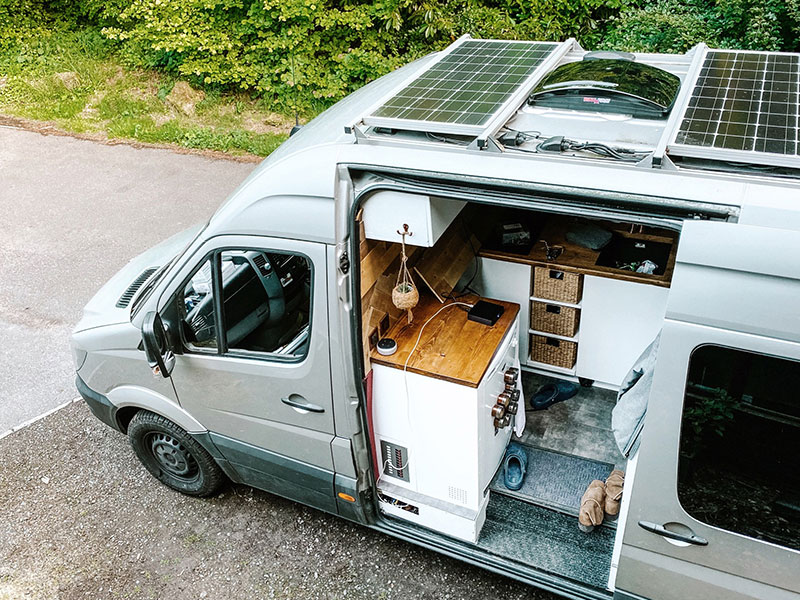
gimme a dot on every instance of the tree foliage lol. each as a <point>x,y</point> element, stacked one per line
<point>676,26</point>
<point>309,53</point>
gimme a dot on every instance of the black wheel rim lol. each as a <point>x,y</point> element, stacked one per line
<point>171,456</point>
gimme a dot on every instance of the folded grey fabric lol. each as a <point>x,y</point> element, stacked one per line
<point>589,236</point>
<point>627,418</point>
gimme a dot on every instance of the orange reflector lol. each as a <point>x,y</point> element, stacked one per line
<point>347,497</point>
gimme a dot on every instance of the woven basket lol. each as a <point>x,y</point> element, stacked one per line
<point>552,351</point>
<point>405,300</point>
<point>552,284</point>
<point>554,318</point>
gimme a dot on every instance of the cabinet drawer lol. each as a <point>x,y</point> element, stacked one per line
<point>553,284</point>
<point>553,351</point>
<point>554,318</point>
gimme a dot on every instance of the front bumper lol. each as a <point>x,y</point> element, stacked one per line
<point>98,404</point>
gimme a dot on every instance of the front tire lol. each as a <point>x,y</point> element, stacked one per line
<point>172,456</point>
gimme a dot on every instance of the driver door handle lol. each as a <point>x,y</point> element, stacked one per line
<point>297,401</point>
<point>690,538</point>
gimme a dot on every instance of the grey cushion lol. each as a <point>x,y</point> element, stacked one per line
<point>589,236</point>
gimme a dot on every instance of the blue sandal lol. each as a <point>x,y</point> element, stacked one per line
<point>514,466</point>
<point>550,393</point>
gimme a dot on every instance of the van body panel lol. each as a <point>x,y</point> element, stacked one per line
<point>725,278</point>
<point>713,300</point>
<point>654,494</point>
<point>279,474</point>
<point>346,420</point>
<point>685,580</point>
<point>276,215</point>
<point>116,368</point>
<point>102,309</point>
<point>342,452</point>
<point>242,396</point>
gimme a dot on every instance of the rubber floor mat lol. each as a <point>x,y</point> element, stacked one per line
<point>554,480</point>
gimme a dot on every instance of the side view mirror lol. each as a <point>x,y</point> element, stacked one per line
<point>154,339</point>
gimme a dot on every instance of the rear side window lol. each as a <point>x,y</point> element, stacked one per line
<point>739,466</point>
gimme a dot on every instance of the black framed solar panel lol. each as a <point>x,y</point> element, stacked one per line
<point>744,106</point>
<point>461,92</point>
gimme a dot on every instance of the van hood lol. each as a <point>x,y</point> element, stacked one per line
<point>108,307</point>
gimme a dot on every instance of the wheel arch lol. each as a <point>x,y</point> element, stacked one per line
<point>130,399</point>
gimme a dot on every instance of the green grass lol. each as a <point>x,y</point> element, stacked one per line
<point>105,97</point>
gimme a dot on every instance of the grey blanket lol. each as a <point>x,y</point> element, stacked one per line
<point>627,418</point>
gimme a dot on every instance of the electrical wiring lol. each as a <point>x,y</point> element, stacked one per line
<point>446,140</point>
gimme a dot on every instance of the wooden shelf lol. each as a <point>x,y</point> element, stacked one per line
<point>555,335</point>
<point>577,259</point>
<point>558,302</point>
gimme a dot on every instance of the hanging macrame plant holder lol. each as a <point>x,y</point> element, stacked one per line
<point>405,295</point>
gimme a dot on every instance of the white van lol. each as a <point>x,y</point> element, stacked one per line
<point>629,223</point>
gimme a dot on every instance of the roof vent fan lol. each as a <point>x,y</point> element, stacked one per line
<point>609,55</point>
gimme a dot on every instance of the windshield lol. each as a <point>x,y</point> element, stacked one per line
<point>150,284</point>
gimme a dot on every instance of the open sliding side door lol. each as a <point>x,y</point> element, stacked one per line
<point>735,297</point>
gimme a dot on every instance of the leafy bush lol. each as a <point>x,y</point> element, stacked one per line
<point>19,21</point>
<point>674,26</point>
<point>313,52</point>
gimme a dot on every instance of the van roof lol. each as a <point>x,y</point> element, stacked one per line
<point>515,140</point>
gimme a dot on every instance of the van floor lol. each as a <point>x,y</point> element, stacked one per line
<point>523,528</point>
<point>580,426</point>
<point>547,540</point>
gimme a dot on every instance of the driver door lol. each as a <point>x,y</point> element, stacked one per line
<point>255,364</point>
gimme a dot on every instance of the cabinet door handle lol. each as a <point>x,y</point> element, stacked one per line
<point>689,538</point>
<point>297,401</point>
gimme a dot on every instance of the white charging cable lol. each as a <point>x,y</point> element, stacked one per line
<point>419,337</point>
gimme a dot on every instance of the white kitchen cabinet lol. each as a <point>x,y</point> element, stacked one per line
<point>427,217</point>
<point>619,319</point>
<point>511,282</point>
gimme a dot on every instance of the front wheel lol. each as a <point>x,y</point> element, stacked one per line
<point>172,456</point>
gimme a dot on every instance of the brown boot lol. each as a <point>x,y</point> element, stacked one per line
<point>614,485</point>
<point>591,513</point>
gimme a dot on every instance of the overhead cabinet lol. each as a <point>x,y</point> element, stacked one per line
<point>387,212</point>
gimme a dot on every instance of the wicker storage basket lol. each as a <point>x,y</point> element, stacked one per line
<point>554,318</point>
<point>552,351</point>
<point>552,284</point>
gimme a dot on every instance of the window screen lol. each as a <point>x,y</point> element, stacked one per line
<point>739,465</point>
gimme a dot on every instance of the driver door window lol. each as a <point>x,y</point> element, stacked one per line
<point>264,304</point>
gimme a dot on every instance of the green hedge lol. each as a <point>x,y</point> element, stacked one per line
<point>676,26</point>
<point>307,54</point>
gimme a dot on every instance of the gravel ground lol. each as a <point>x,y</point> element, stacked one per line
<point>81,518</point>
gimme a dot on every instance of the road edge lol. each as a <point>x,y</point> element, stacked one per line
<point>37,418</point>
<point>49,128</point>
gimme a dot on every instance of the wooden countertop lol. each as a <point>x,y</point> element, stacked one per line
<point>578,259</point>
<point>452,347</point>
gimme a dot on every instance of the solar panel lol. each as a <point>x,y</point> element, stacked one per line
<point>744,106</point>
<point>462,91</point>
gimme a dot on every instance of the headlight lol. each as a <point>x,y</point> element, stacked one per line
<point>78,357</point>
